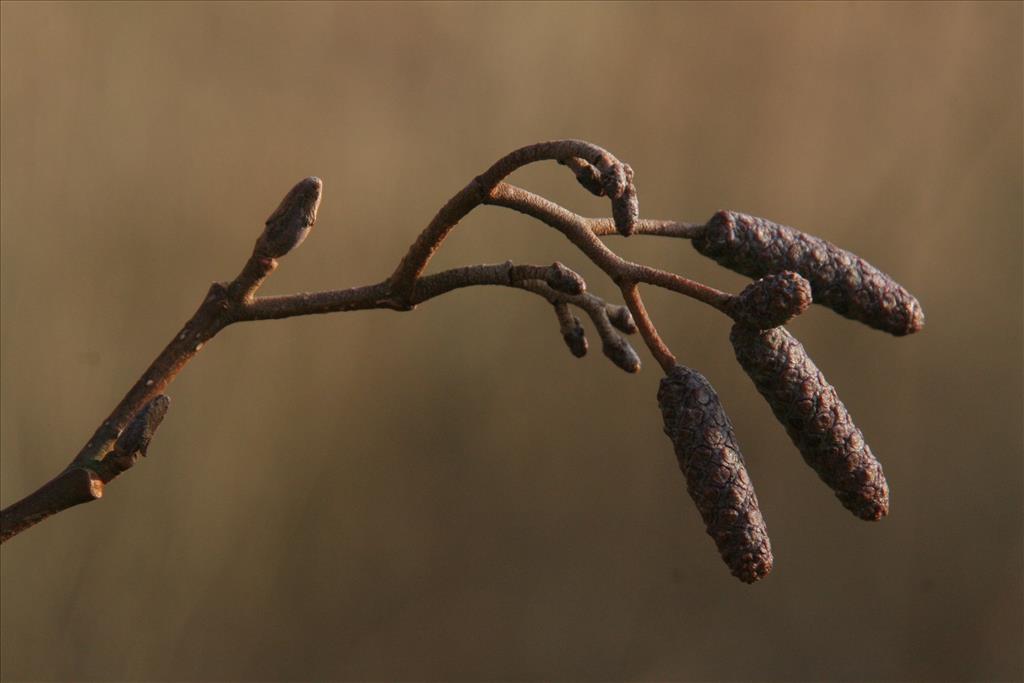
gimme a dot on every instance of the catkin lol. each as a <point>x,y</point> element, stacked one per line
<point>839,279</point>
<point>716,477</point>
<point>814,417</point>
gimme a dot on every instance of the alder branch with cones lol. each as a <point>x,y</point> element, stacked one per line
<point>794,270</point>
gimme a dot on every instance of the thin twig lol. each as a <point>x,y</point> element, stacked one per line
<point>121,438</point>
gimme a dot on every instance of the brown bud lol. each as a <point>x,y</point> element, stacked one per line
<point>586,175</point>
<point>626,211</point>
<point>814,417</point>
<point>291,221</point>
<point>565,280</point>
<point>771,301</point>
<point>571,329</point>
<point>615,177</point>
<point>621,318</point>
<point>139,432</point>
<point>716,477</point>
<point>576,340</point>
<point>133,442</point>
<point>839,279</point>
<point>620,352</point>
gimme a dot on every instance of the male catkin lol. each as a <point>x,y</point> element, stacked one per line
<point>814,417</point>
<point>716,477</point>
<point>843,281</point>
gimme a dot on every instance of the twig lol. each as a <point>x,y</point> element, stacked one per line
<point>693,417</point>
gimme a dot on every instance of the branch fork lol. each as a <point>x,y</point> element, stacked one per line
<point>794,269</point>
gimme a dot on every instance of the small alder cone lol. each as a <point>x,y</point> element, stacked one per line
<point>771,301</point>
<point>292,220</point>
<point>716,478</point>
<point>814,417</point>
<point>843,281</point>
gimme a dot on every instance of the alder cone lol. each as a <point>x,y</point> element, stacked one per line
<point>814,417</point>
<point>841,280</point>
<point>716,477</point>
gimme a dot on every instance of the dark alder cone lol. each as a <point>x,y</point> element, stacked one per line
<point>716,478</point>
<point>839,279</point>
<point>291,221</point>
<point>814,417</point>
<point>565,280</point>
<point>771,301</point>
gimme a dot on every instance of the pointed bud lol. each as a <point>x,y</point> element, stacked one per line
<point>621,318</point>
<point>771,301</point>
<point>586,175</point>
<point>576,339</point>
<point>716,477</point>
<point>843,281</point>
<point>621,353</point>
<point>136,436</point>
<point>814,417</point>
<point>133,442</point>
<point>288,226</point>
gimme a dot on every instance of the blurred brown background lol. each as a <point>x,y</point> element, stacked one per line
<point>448,494</point>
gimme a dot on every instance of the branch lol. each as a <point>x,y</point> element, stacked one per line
<point>793,268</point>
<point>77,485</point>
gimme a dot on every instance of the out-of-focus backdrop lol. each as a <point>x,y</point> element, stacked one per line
<point>447,494</point>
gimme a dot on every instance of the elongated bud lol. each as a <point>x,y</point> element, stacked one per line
<point>615,176</point>
<point>621,318</point>
<point>133,442</point>
<point>136,436</point>
<point>626,211</point>
<point>576,340</point>
<point>586,175</point>
<point>571,329</point>
<point>620,352</point>
<point>716,477</point>
<point>843,281</point>
<point>814,417</point>
<point>291,221</point>
<point>565,280</point>
<point>771,301</point>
